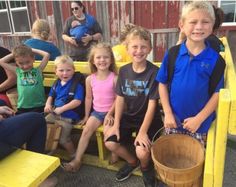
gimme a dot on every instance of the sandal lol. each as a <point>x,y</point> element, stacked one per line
<point>72,166</point>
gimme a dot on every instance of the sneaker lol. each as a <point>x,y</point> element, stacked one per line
<point>125,172</point>
<point>149,177</point>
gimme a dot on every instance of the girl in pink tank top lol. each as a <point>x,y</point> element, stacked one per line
<point>99,100</point>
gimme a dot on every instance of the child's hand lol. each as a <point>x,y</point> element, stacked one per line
<point>58,110</point>
<point>142,140</point>
<point>84,120</point>
<point>48,108</point>
<point>108,120</point>
<point>192,124</point>
<point>169,121</point>
<point>114,130</point>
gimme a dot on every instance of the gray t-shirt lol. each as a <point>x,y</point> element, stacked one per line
<point>137,89</point>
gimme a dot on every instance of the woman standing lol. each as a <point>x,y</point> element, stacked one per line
<point>80,31</point>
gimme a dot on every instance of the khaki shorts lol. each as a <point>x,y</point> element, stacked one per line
<point>66,124</point>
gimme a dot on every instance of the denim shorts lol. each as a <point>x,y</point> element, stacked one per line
<point>99,115</point>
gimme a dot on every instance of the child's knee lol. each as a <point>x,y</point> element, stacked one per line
<point>87,131</point>
<point>50,118</point>
<point>111,145</point>
<point>64,140</point>
<point>142,153</point>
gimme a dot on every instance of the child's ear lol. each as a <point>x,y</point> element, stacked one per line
<point>181,25</point>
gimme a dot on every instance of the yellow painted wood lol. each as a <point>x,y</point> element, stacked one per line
<point>230,82</point>
<point>221,136</point>
<point>102,151</point>
<point>83,67</point>
<point>208,176</point>
<point>26,169</point>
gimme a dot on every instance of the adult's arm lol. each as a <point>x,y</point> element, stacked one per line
<point>66,30</point>
<point>9,82</point>
<point>4,62</point>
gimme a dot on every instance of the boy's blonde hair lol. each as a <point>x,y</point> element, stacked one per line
<point>41,29</point>
<point>197,5</point>
<point>22,51</point>
<point>141,33</point>
<point>92,53</point>
<point>125,31</point>
<point>64,59</point>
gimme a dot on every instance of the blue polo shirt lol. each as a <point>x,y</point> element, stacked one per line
<point>62,95</point>
<point>190,84</point>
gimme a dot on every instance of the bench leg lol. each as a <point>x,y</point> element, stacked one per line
<point>102,151</point>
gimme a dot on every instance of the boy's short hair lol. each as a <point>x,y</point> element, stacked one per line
<point>140,32</point>
<point>125,31</point>
<point>22,50</point>
<point>64,59</point>
<point>41,29</point>
<point>197,5</point>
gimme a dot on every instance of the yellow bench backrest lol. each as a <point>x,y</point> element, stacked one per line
<point>83,67</point>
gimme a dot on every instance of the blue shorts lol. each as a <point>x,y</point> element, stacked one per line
<point>99,115</point>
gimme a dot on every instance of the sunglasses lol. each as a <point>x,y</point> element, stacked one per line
<point>76,8</point>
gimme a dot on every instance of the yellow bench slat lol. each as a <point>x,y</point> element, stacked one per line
<point>26,169</point>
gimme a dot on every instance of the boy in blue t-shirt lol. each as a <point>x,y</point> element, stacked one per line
<point>188,107</point>
<point>61,111</point>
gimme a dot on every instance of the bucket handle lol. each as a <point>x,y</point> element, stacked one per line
<point>158,132</point>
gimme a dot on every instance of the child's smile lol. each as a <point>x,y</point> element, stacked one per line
<point>197,26</point>
<point>138,49</point>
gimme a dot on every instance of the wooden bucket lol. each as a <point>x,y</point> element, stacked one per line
<point>13,97</point>
<point>178,160</point>
<point>53,136</point>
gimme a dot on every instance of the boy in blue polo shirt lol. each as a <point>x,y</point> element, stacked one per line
<point>188,107</point>
<point>59,108</point>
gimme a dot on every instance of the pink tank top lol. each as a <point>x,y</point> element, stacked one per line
<point>103,92</point>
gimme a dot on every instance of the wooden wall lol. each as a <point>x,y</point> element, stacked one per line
<point>160,17</point>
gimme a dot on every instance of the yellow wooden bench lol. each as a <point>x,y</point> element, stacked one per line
<point>26,169</point>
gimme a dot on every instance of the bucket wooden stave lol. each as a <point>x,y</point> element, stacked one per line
<point>178,160</point>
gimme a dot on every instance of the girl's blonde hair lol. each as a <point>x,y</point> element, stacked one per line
<point>92,53</point>
<point>64,59</point>
<point>41,29</point>
<point>141,33</point>
<point>197,5</point>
